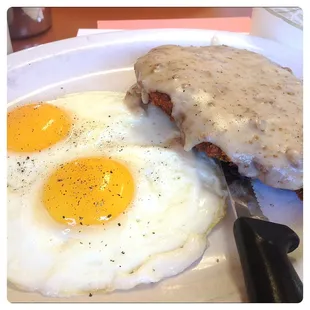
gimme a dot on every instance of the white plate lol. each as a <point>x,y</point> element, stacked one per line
<point>104,62</point>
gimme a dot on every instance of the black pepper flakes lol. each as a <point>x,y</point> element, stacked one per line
<point>119,224</point>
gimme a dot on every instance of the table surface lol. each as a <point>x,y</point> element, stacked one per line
<point>67,21</point>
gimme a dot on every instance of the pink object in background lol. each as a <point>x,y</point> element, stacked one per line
<point>234,24</point>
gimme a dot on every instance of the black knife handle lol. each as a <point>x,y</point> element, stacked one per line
<point>269,275</point>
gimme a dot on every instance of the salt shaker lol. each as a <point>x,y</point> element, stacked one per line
<point>284,25</point>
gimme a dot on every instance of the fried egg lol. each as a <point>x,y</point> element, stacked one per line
<point>104,197</point>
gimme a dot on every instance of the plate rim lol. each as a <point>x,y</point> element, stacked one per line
<point>37,53</point>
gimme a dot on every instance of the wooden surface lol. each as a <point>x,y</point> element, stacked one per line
<point>67,21</point>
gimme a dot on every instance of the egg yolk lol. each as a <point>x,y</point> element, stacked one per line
<point>35,127</point>
<point>88,191</point>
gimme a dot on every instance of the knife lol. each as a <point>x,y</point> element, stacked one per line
<point>262,245</point>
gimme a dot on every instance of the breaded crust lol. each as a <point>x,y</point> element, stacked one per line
<point>163,102</point>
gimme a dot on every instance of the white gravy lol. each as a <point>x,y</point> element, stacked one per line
<point>238,100</point>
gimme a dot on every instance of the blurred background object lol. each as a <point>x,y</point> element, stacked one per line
<point>68,20</point>
<point>9,43</point>
<point>284,25</point>
<point>28,22</point>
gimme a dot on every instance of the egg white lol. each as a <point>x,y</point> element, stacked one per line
<point>100,119</point>
<point>178,199</point>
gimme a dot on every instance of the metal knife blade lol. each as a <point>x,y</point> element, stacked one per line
<point>262,245</point>
<point>241,195</point>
